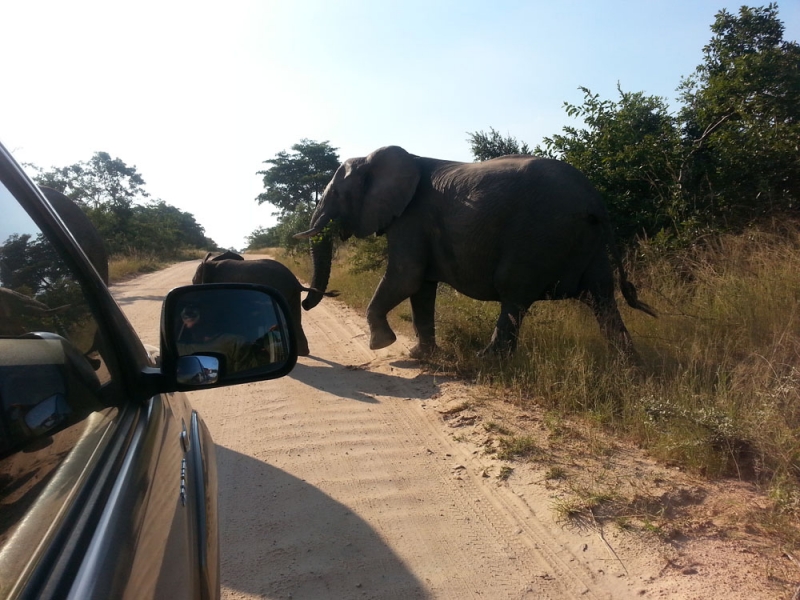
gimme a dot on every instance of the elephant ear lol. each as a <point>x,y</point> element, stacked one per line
<point>390,176</point>
<point>199,274</point>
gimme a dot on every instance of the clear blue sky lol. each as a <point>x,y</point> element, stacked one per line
<point>198,94</point>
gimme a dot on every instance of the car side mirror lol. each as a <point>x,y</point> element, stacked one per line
<point>225,333</point>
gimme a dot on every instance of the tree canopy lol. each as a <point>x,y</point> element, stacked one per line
<point>98,181</point>
<point>728,155</point>
<point>630,150</point>
<point>492,145</point>
<point>296,180</point>
<point>741,116</point>
<point>113,195</point>
<point>294,184</point>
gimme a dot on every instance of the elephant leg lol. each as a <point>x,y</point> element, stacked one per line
<point>384,300</point>
<point>423,308</point>
<point>610,321</point>
<point>302,342</point>
<point>598,293</point>
<point>297,314</point>
<point>391,291</point>
<point>506,332</point>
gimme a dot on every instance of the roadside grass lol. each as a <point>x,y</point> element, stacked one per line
<point>718,388</point>
<point>522,446</point>
<point>584,504</point>
<point>505,473</point>
<point>125,266</point>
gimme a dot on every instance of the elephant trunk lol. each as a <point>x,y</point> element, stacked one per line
<point>322,255</point>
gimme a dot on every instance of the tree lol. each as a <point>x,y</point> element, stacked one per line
<point>281,235</point>
<point>492,145</point>
<point>161,228</point>
<point>263,237</point>
<point>630,150</point>
<point>741,117</point>
<point>295,181</point>
<point>101,180</point>
<point>729,155</point>
<point>107,188</point>
<point>113,196</point>
<point>294,184</point>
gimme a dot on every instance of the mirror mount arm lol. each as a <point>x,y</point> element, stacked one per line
<point>153,381</point>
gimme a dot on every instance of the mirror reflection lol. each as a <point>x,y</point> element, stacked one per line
<point>243,329</point>
<point>198,370</point>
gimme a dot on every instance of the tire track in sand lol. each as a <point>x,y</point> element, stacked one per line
<point>337,482</point>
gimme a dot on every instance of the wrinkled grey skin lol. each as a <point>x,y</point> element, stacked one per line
<point>514,229</point>
<point>229,267</point>
<point>322,255</point>
<point>82,229</point>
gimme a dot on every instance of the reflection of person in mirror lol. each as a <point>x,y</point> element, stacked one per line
<point>193,328</point>
<point>198,334</point>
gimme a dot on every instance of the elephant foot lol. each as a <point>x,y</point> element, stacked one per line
<point>421,351</point>
<point>302,345</point>
<point>381,339</point>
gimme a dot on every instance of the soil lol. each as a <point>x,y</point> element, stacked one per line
<point>359,475</point>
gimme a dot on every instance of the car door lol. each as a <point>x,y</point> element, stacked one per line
<point>107,488</point>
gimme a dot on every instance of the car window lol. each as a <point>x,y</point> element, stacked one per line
<point>56,405</point>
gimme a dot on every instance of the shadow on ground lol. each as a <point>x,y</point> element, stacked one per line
<point>283,538</point>
<point>362,385</point>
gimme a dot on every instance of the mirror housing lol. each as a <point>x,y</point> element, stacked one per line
<point>221,334</point>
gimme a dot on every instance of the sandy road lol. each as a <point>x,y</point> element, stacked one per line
<point>341,481</point>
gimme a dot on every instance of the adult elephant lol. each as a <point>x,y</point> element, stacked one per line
<point>81,228</point>
<point>514,229</point>
<point>230,267</point>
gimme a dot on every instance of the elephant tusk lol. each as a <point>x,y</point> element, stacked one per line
<point>307,234</point>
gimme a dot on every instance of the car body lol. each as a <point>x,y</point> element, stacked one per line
<point>108,485</point>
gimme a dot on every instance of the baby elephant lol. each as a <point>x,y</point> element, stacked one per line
<point>229,267</point>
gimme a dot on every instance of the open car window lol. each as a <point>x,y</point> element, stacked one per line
<point>55,403</point>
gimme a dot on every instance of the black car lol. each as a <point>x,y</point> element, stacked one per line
<point>108,483</point>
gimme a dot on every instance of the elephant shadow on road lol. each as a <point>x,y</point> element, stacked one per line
<point>363,385</point>
<point>281,537</point>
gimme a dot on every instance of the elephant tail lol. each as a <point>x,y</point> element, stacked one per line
<point>626,287</point>
<point>631,297</point>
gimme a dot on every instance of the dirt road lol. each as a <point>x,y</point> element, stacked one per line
<point>342,480</point>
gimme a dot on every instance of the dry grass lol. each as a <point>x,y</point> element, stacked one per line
<point>718,390</point>
<point>125,266</point>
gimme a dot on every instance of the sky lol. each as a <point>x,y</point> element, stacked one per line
<point>197,95</point>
